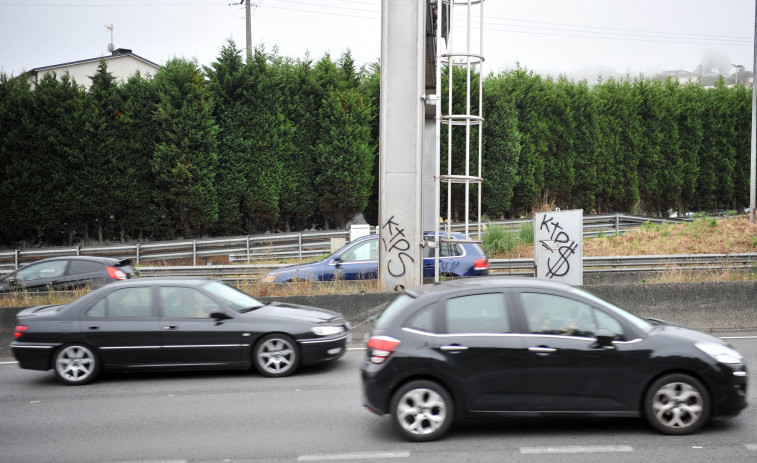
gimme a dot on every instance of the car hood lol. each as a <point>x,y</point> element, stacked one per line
<point>297,268</point>
<point>299,312</point>
<point>672,330</point>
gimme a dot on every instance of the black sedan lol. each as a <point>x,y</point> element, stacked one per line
<point>524,347</point>
<point>174,324</point>
<point>67,273</point>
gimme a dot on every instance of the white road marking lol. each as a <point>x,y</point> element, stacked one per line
<point>354,456</point>
<point>578,449</point>
<point>8,363</point>
<point>751,446</point>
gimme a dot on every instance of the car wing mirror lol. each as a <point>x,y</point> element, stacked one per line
<point>220,316</point>
<point>605,338</point>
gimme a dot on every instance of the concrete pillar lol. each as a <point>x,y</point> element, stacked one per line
<point>401,142</point>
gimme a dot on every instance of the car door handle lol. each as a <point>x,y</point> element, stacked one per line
<point>169,327</point>
<point>454,348</point>
<point>542,349</point>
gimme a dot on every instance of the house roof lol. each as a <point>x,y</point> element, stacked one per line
<point>117,53</point>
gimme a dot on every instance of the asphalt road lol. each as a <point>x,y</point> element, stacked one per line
<point>313,416</point>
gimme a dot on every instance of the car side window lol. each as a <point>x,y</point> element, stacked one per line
<point>423,320</point>
<point>179,302</point>
<point>479,313</point>
<point>123,303</point>
<point>41,271</point>
<point>365,251</point>
<point>78,267</point>
<point>445,250</point>
<point>551,314</point>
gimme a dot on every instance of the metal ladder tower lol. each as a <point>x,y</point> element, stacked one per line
<point>462,50</point>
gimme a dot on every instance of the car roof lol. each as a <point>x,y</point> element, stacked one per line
<point>157,281</point>
<point>483,283</point>
<point>100,259</point>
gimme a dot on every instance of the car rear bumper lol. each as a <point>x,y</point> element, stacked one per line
<point>33,356</point>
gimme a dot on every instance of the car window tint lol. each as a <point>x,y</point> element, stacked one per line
<point>365,251</point>
<point>123,303</point>
<point>550,314</point>
<point>77,267</point>
<point>178,302</point>
<point>479,313</point>
<point>422,321</point>
<point>42,271</point>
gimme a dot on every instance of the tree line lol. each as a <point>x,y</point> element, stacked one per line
<point>275,143</point>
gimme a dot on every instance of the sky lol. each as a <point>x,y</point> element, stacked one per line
<point>578,38</point>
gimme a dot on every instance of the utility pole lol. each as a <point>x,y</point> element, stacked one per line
<point>248,17</point>
<point>753,163</point>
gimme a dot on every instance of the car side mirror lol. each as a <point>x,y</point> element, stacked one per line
<point>220,316</point>
<point>605,338</point>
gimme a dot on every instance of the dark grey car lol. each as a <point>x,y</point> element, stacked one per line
<point>67,273</point>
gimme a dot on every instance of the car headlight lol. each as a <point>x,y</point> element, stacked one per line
<point>720,352</point>
<point>327,330</point>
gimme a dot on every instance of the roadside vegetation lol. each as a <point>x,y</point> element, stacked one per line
<point>704,235</point>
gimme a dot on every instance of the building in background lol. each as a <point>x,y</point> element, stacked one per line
<point>122,63</point>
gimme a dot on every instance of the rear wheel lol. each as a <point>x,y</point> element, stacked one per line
<point>276,355</point>
<point>677,404</point>
<point>76,364</point>
<point>422,411</point>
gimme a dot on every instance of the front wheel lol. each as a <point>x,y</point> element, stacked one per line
<point>276,355</point>
<point>421,411</point>
<point>677,404</point>
<point>76,364</point>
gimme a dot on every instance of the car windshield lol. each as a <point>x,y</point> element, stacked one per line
<point>638,322</point>
<point>232,297</point>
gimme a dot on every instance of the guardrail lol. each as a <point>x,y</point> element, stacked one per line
<point>280,245</point>
<point>521,266</point>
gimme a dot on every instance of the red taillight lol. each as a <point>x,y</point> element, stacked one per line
<point>481,264</point>
<point>116,274</point>
<point>20,330</point>
<point>382,347</point>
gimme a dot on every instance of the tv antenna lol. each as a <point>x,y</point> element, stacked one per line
<point>111,47</point>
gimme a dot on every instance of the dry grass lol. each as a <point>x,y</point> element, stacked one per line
<point>733,235</point>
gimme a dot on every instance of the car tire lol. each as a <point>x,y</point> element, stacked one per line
<point>276,355</point>
<point>76,364</point>
<point>677,404</point>
<point>422,411</point>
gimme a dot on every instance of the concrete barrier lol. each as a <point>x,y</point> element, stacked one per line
<point>716,306</point>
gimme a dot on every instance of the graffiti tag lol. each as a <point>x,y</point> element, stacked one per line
<point>395,247</point>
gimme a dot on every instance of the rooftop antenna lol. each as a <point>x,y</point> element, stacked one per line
<point>111,47</point>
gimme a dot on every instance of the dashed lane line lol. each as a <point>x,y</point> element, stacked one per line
<point>354,456</point>
<point>577,449</point>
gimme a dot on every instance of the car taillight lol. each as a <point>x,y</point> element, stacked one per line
<point>20,330</point>
<point>481,264</point>
<point>382,347</point>
<point>116,274</point>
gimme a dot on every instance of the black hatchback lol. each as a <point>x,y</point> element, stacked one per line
<point>525,347</point>
<point>68,273</point>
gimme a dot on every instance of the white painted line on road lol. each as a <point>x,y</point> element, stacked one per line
<point>354,456</point>
<point>578,449</point>
<point>8,363</point>
<point>751,446</point>
<point>356,348</point>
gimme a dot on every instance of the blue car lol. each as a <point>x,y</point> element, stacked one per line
<point>359,261</point>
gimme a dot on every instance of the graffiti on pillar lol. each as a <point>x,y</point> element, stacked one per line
<point>559,250</point>
<point>395,245</point>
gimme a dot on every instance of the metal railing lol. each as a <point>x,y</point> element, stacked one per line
<point>277,246</point>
